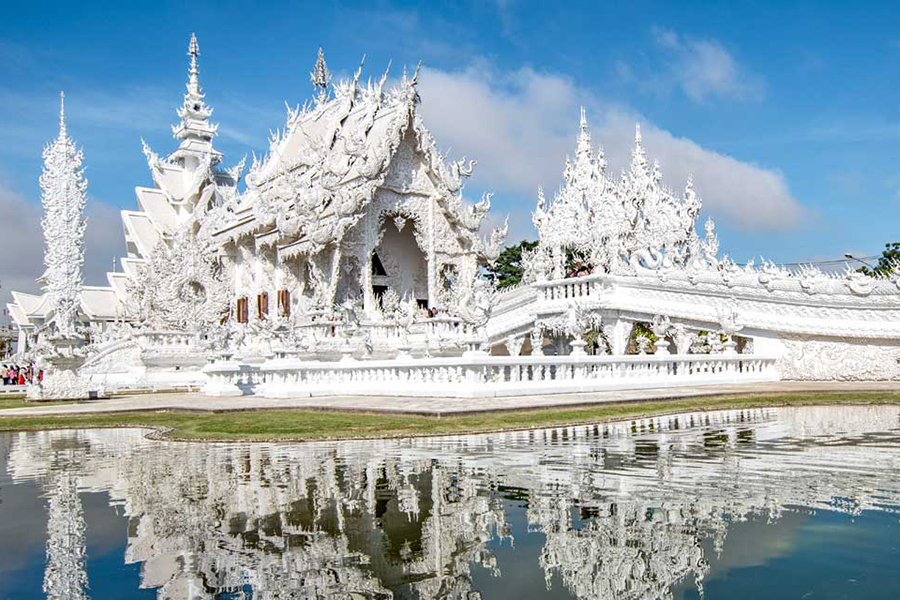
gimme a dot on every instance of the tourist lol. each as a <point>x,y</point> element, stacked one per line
<point>4,375</point>
<point>21,376</point>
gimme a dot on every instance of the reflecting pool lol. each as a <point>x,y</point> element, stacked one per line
<point>769,503</point>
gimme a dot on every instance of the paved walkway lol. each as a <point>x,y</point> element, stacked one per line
<point>425,406</point>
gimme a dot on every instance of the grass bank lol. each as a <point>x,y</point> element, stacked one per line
<point>309,425</point>
<point>21,402</point>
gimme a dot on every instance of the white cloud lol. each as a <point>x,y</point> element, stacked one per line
<point>22,250</point>
<point>520,125</point>
<point>703,68</point>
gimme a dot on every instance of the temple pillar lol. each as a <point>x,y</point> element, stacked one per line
<point>278,278</point>
<point>366,277</point>
<point>369,235</point>
<point>430,258</point>
<point>537,340</point>
<point>335,275</point>
<point>559,259</point>
<point>617,331</point>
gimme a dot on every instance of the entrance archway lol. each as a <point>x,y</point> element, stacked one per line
<point>398,262</point>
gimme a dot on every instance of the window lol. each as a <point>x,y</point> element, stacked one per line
<point>262,305</point>
<point>377,267</point>
<point>242,310</point>
<point>284,303</point>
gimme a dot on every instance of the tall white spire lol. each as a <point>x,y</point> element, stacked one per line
<point>584,136</point>
<point>320,77</point>
<point>62,113</point>
<point>195,131</point>
<point>639,164</point>
<point>63,196</point>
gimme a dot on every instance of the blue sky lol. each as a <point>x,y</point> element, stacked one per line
<point>787,113</point>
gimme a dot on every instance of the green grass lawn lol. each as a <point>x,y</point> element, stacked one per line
<point>21,402</point>
<point>316,425</point>
<point>13,402</point>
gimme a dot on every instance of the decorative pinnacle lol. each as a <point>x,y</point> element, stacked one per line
<point>637,133</point>
<point>194,71</point>
<point>62,113</point>
<point>320,77</point>
<point>193,47</point>
<point>584,137</point>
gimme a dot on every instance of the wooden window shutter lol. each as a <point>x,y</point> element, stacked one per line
<point>242,310</point>
<point>262,305</point>
<point>284,303</point>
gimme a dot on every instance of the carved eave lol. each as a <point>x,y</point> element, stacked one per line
<point>300,247</point>
<point>18,315</point>
<point>119,283</point>
<point>243,223</point>
<point>156,204</point>
<point>267,239</point>
<point>140,232</point>
<point>100,303</point>
<point>31,305</point>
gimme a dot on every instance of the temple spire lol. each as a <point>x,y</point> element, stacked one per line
<point>584,136</point>
<point>63,197</point>
<point>638,155</point>
<point>320,77</point>
<point>195,131</point>
<point>194,71</point>
<point>62,114</point>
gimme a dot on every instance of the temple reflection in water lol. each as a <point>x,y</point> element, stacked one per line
<point>627,510</point>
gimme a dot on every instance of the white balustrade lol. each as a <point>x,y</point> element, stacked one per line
<point>487,376</point>
<point>573,288</point>
<point>165,339</point>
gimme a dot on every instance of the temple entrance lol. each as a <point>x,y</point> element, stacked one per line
<point>399,264</point>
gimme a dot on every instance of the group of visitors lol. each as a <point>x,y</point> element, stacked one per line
<point>579,269</point>
<point>19,375</point>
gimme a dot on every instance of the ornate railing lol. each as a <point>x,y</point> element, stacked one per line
<point>574,288</point>
<point>165,339</point>
<point>388,333</point>
<point>484,376</point>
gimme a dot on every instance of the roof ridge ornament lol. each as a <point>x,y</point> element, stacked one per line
<point>639,162</point>
<point>62,114</point>
<point>320,77</point>
<point>195,131</point>
<point>194,71</point>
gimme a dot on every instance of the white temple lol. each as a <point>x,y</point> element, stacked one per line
<point>350,255</point>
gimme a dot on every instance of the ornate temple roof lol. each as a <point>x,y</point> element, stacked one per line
<point>322,170</point>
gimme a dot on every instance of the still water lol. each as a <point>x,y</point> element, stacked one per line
<point>775,503</point>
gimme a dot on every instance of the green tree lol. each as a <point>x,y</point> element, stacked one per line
<point>508,270</point>
<point>886,262</point>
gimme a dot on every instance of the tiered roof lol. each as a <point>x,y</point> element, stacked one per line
<point>323,169</point>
